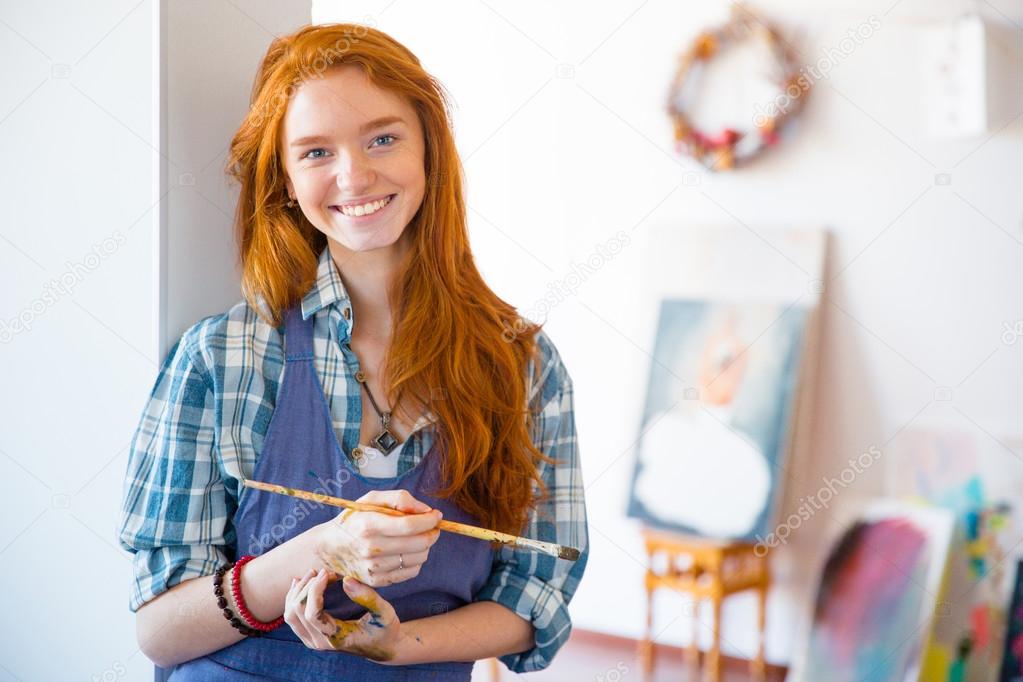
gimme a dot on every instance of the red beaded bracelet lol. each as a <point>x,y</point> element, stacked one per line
<point>239,601</point>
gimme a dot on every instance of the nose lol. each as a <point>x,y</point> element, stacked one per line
<point>355,173</point>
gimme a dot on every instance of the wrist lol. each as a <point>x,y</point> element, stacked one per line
<point>408,646</point>
<point>241,602</point>
<point>267,578</point>
<point>253,584</point>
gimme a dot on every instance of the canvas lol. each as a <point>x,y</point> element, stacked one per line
<point>715,431</point>
<point>879,589</point>
<point>978,480</point>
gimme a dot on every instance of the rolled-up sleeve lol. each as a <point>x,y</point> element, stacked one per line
<point>175,516</point>
<point>536,586</point>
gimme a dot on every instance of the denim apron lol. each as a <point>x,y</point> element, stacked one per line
<point>301,450</point>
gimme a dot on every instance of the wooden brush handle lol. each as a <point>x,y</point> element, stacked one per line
<point>551,548</point>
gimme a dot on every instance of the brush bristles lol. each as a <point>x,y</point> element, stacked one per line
<point>570,553</point>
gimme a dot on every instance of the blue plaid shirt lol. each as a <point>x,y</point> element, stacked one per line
<point>203,428</point>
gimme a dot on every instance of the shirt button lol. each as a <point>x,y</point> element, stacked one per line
<point>357,453</point>
<point>347,312</point>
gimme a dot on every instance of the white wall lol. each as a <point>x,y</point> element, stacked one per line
<point>77,206</point>
<point>86,179</point>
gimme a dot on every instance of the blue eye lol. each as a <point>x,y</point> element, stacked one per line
<point>321,149</point>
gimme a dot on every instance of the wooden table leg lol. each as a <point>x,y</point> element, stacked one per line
<point>758,667</point>
<point>693,654</point>
<point>714,655</point>
<point>646,645</point>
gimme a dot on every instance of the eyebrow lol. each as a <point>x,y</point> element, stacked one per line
<point>363,129</point>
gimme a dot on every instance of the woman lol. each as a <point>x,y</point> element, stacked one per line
<point>369,361</point>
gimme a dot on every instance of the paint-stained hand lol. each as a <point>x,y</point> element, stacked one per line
<point>378,549</point>
<point>374,636</point>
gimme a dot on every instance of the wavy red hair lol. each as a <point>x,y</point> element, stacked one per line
<point>456,348</point>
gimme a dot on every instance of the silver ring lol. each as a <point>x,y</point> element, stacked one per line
<point>401,562</point>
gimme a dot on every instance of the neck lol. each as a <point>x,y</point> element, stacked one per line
<point>368,276</point>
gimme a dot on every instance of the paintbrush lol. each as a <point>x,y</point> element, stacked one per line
<point>560,551</point>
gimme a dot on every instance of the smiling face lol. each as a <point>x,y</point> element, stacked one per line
<point>354,159</point>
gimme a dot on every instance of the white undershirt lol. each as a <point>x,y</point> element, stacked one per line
<point>375,464</point>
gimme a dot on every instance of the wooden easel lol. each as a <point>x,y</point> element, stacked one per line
<point>704,569</point>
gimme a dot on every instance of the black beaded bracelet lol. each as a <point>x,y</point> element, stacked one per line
<point>218,592</point>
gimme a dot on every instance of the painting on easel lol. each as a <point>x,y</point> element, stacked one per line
<point>717,420</point>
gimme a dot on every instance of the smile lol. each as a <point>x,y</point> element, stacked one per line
<point>363,209</point>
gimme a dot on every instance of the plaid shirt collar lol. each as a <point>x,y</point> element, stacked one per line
<point>327,290</point>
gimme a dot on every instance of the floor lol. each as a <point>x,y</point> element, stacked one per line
<point>592,657</point>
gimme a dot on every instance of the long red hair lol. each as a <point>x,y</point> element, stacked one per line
<point>456,348</point>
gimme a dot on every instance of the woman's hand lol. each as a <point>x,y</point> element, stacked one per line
<point>377,549</point>
<point>374,636</point>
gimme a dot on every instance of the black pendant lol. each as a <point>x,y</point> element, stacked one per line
<point>385,441</point>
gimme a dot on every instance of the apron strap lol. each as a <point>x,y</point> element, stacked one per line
<point>298,335</point>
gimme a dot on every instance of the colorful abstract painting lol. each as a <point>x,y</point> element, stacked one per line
<point>716,424</point>
<point>978,479</point>
<point>876,598</point>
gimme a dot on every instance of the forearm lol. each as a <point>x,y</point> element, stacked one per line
<point>479,630</point>
<point>185,622</point>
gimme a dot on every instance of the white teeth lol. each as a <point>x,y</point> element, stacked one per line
<point>366,209</point>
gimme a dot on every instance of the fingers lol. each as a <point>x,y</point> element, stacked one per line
<point>419,518</point>
<point>398,575</point>
<point>304,612</point>
<point>320,631</point>
<point>393,562</point>
<point>318,623</point>
<point>392,569</point>
<point>293,607</point>
<point>314,597</point>
<point>367,523</point>
<point>381,613</point>
<point>380,547</point>
<point>401,500</point>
